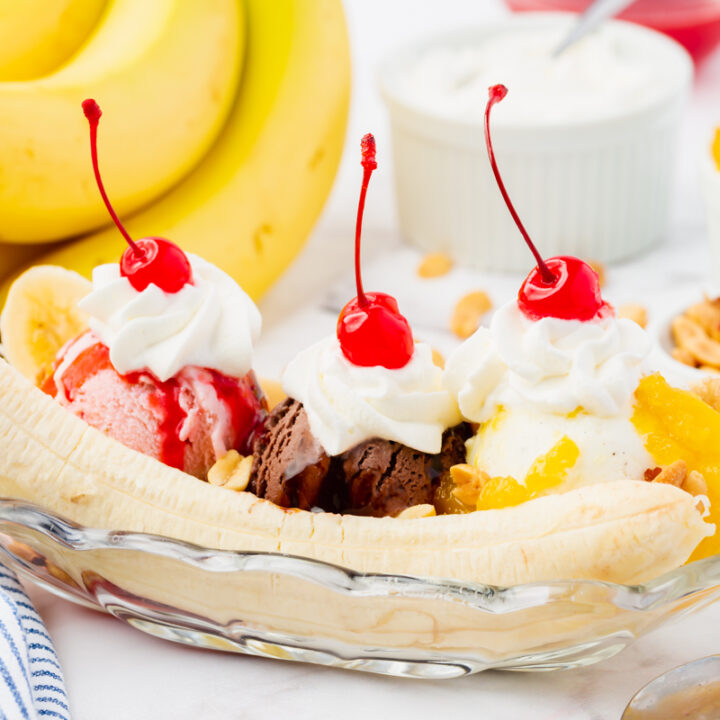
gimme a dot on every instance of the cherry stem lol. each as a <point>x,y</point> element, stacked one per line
<point>92,113</point>
<point>369,163</point>
<point>495,94</point>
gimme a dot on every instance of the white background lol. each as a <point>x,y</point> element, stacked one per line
<point>114,672</point>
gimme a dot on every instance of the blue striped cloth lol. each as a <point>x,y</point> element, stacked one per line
<point>31,681</point>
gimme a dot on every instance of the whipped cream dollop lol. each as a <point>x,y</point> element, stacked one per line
<point>549,365</point>
<point>347,404</point>
<point>211,323</point>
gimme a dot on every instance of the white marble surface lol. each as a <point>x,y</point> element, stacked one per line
<point>115,672</point>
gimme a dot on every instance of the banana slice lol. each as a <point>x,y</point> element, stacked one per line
<point>40,316</point>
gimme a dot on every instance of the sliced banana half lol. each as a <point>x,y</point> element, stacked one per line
<point>41,314</point>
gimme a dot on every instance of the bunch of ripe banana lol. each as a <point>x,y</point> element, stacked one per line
<point>224,127</point>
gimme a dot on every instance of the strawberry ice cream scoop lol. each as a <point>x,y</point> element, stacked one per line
<point>188,421</point>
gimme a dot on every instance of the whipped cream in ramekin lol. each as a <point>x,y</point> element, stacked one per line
<point>347,404</point>
<point>592,79</point>
<point>531,383</point>
<point>211,323</point>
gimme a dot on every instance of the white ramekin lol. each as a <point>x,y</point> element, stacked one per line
<point>598,189</point>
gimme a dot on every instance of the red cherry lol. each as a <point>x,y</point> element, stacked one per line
<point>370,328</point>
<point>158,261</point>
<point>574,293</point>
<point>151,260</point>
<point>561,287</point>
<point>376,333</point>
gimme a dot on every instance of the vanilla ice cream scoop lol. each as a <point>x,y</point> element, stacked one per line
<point>532,382</point>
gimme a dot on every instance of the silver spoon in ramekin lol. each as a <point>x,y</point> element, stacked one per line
<point>592,17</point>
<point>690,691</point>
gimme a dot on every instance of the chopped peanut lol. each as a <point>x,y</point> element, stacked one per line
<point>632,311</point>
<point>468,313</point>
<point>652,473</point>
<point>240,478</point>
<point>231,471</point>
<point>437,358</point>
<point>469,482</point>
<point>677,474</point>
<point>697,335</point>
<point>683,356</point>
<point>707,315</point>
<point>691,337</point>
<point>708,391</point>
<point>674,474</point>
<point>599,268</point>
<point>417,511</point>
<point>434,265</point>
<point>273,391</point>
<point>695,484</point>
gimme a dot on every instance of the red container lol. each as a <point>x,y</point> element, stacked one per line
<point>693,23</point>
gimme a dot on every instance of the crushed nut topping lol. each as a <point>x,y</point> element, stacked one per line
<point>231,471</point>
<point>697,335</point>
<point>434,265</point>
<point>632,311</point>
<point>468,313</point>
<point>273,392</point>
<point>652,473</point>
<point>677,474</point>
<point>683,356</point>
<point>674,474</point>
<point>469,482</point>
<point>599,268</point>
<point>695,483</point>
<point>708,391</point>
<point>417,511</point>
<point>437,358</point>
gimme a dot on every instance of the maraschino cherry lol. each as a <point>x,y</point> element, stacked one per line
<point>562,287</point>
<point>150,260</point>
<point>370,328</point>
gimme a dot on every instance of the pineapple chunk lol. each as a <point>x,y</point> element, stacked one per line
<point>677,425</point>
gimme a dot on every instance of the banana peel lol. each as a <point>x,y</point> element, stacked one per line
<point>165,73</point>
<point>251,203</point>
<point>37,36</point>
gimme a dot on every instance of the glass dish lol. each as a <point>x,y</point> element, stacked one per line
<point>297,609</point>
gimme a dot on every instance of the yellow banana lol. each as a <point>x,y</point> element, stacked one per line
<point>250,204</point>
<point>37,36</point>
<point>164,72</point>
<point>14,256</point>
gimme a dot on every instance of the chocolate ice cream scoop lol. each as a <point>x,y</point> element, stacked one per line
<point>377,477</point>
<point>382,477</point>
<point>289,464</point>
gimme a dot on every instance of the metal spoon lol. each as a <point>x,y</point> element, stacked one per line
<point>594,15</point>
<point>693,688</point>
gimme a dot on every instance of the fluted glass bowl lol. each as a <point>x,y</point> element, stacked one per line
<point>297,609</point>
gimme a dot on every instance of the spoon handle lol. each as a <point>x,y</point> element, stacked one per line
<point>594,15</point>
